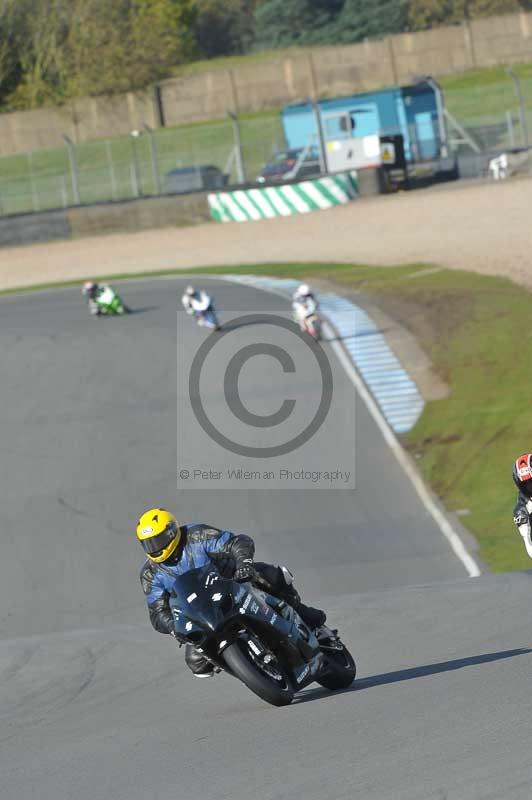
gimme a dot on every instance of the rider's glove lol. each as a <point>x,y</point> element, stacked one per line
<point>525,529</point>
<point>521,518</point>
<point>245,570</point>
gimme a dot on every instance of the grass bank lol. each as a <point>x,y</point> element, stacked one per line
<point>475,330</point>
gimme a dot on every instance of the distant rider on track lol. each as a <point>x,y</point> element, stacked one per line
<point>91,291</point>
<point>198,303</point>
<point>103,299</point>
<point>304,304</point>
<point>522,475</point>
<point>173,549</point>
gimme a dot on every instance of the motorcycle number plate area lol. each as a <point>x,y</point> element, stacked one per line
<point>253,646</point>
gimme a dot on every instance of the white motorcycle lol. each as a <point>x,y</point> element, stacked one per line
<point>202,309</point>
<point>307,317</point>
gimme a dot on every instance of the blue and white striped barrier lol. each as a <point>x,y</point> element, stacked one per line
<point>394,390</point>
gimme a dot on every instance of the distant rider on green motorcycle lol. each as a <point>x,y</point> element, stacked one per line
<point>103,299</point>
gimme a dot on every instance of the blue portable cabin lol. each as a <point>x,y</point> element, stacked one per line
<point>413,112</point>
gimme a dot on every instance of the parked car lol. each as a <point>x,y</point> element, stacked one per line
<point>290,164</point>
<point>194,179</point>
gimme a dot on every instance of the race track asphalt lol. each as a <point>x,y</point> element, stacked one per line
<point>95,704</point>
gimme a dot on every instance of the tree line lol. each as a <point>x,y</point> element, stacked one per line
<point>55,50</point>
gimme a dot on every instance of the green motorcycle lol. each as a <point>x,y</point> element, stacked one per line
<point>108,302</point>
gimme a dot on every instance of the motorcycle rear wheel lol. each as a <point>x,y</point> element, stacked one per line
<point>240,662</point>
<point>341,670</point>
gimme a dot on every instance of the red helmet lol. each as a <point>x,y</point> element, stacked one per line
<point>522,474</point>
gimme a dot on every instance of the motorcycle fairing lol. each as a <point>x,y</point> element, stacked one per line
<point>202,601</point>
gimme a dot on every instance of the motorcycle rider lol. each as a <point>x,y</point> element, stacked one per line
<point>522,475</point>
<point>195,301</point>
<point>173,549</point>
<point>304,303</point>
<point>90,291</point>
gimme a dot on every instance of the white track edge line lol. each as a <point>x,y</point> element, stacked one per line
<point>443,523</point>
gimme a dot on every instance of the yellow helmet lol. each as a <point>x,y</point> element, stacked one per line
<point>159,534</point>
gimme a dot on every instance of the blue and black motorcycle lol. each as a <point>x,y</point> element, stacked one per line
<point>257,637</point>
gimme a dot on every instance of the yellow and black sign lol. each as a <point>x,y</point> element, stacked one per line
<point>387,153</point>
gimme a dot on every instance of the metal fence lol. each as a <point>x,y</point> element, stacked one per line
<point>487,117</point>
<point>493,115</point>
<point>138,165</point>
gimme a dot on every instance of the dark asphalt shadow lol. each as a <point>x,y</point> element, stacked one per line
<point>234,324</point>
<point>143,310</point>
<point>413,672</point>
<point>132,312</point>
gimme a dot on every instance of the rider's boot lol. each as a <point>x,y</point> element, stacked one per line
<point>313,617</point>
<point>200,666</point>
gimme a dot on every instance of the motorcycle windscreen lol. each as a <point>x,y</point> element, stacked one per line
<point>106,296</point>
<point>203,597</point>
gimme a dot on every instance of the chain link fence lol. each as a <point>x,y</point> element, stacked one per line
<point>143,164</point>
<point>482,118</point>
<point>494,115</point>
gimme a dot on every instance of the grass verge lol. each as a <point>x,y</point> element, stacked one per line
<point>475,331</point>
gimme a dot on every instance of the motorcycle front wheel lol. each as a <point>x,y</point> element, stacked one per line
<point>267,680</point>
<point>316,332</point>
<point>341,669</point>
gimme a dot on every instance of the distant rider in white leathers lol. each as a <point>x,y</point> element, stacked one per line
<point>195,301</point>
<point>304,304</point>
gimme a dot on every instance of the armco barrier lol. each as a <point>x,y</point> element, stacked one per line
<point>267,202</point>
<point>124,217</point>
<point>44,226</point>
<point>135,215</point>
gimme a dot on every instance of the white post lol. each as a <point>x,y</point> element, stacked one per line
<point>520,100</point>
<point>154,159</point>
<point>510,126</point>
<point>63,191</point>
<point>34,194</point>
<point>134,180</point>
<point>134,135</point>
<point>112,175</point>
<point>73,169</point>
<point>240,167</point>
